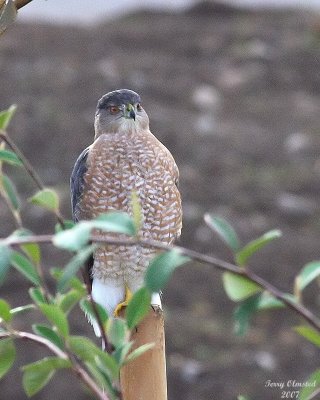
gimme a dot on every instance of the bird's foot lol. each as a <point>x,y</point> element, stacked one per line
<point>118,310</point>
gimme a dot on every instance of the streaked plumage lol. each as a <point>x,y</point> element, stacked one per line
<point>125,157</point>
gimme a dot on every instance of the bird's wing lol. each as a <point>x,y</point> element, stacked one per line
<point>76,186</point>
<point>176,175</point>
<point>77,180</point>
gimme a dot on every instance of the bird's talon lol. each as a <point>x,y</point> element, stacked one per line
<point>118,310</point>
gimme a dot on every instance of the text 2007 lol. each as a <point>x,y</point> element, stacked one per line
<point>289,394</point>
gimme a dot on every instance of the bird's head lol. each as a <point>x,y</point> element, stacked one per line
<point>120,111</point>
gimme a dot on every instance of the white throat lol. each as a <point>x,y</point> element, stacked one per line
<point>122,126</point>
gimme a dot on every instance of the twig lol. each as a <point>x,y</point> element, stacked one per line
<point>85,377</point>
<point>202,258</point>
<point>22,3</point>
<point>15,213</point>
<point>38,339</point>
<point>76,368</point>
<point>19,3</point>
<point>29,168</point>
<point>44,287</point>
<point>15,241</point>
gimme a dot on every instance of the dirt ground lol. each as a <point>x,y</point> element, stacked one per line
<point>235,96</point>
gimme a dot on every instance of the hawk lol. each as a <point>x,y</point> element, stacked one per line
<point>125,157</point>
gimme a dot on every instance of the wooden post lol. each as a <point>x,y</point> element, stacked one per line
<point>145,377</point>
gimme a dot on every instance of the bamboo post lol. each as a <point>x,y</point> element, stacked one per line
<point>145,377</point>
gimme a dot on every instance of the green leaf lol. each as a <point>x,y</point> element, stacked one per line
<point>77,237</point>
<point>237,287</point>
<point>5,256</point>
<point>68,224</point>
<point>101,378</point>
<point>161,268</point>
<point>57,317</point>
<point>243,313</point>
<point>258,302</point>
<point>252,247</point>
<point>117,331</point>
<point>33,252</point>
<point>83,348</point>
<point>46,198</point>
<point>101,375</point>
<point>48,333</point>
<point>121,352</point>
<point>74,283</point>
<point>87,351</point>
<point>10,192</point>
<point>77,285</point>
<point>5,311</point>
<point>307,392</point>
<point>6,115</point>
<point>240,397</point>
<point>138,307</point>
<point>136,211</point>
<point>267,301</point>
<point>108,364</point>
<point>7,355</point>
<point>67,301</point>
<point>224,230</point>
<point>87,308</point>
<point>10,157</point>
<point>309,273</point>
<point>139,351</point>
<point>308,333</point>
<point>38,374</point>
<point>48,363</point>
<point>115,221</point>
<point>74,239</point>
<point>74,265</point>
<point>37,295</point>
<point>25,267</point>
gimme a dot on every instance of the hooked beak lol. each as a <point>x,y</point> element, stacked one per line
<point>129,112</point>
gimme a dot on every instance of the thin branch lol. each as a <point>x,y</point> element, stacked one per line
<point>37,339</point>
<point>19,3</point>
<point>85,377</point>
<point>22,3</point>
<point>202,258</point>
<point>15,241</point>
<point>15,213</point>
<point>29,168</point>
<point>44,287</point>
<point>76,368</point>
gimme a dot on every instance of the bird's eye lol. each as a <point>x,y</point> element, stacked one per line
<point>139,107</point>
<point>114,109</point>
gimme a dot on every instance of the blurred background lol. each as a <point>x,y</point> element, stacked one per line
<point>232,89</point>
